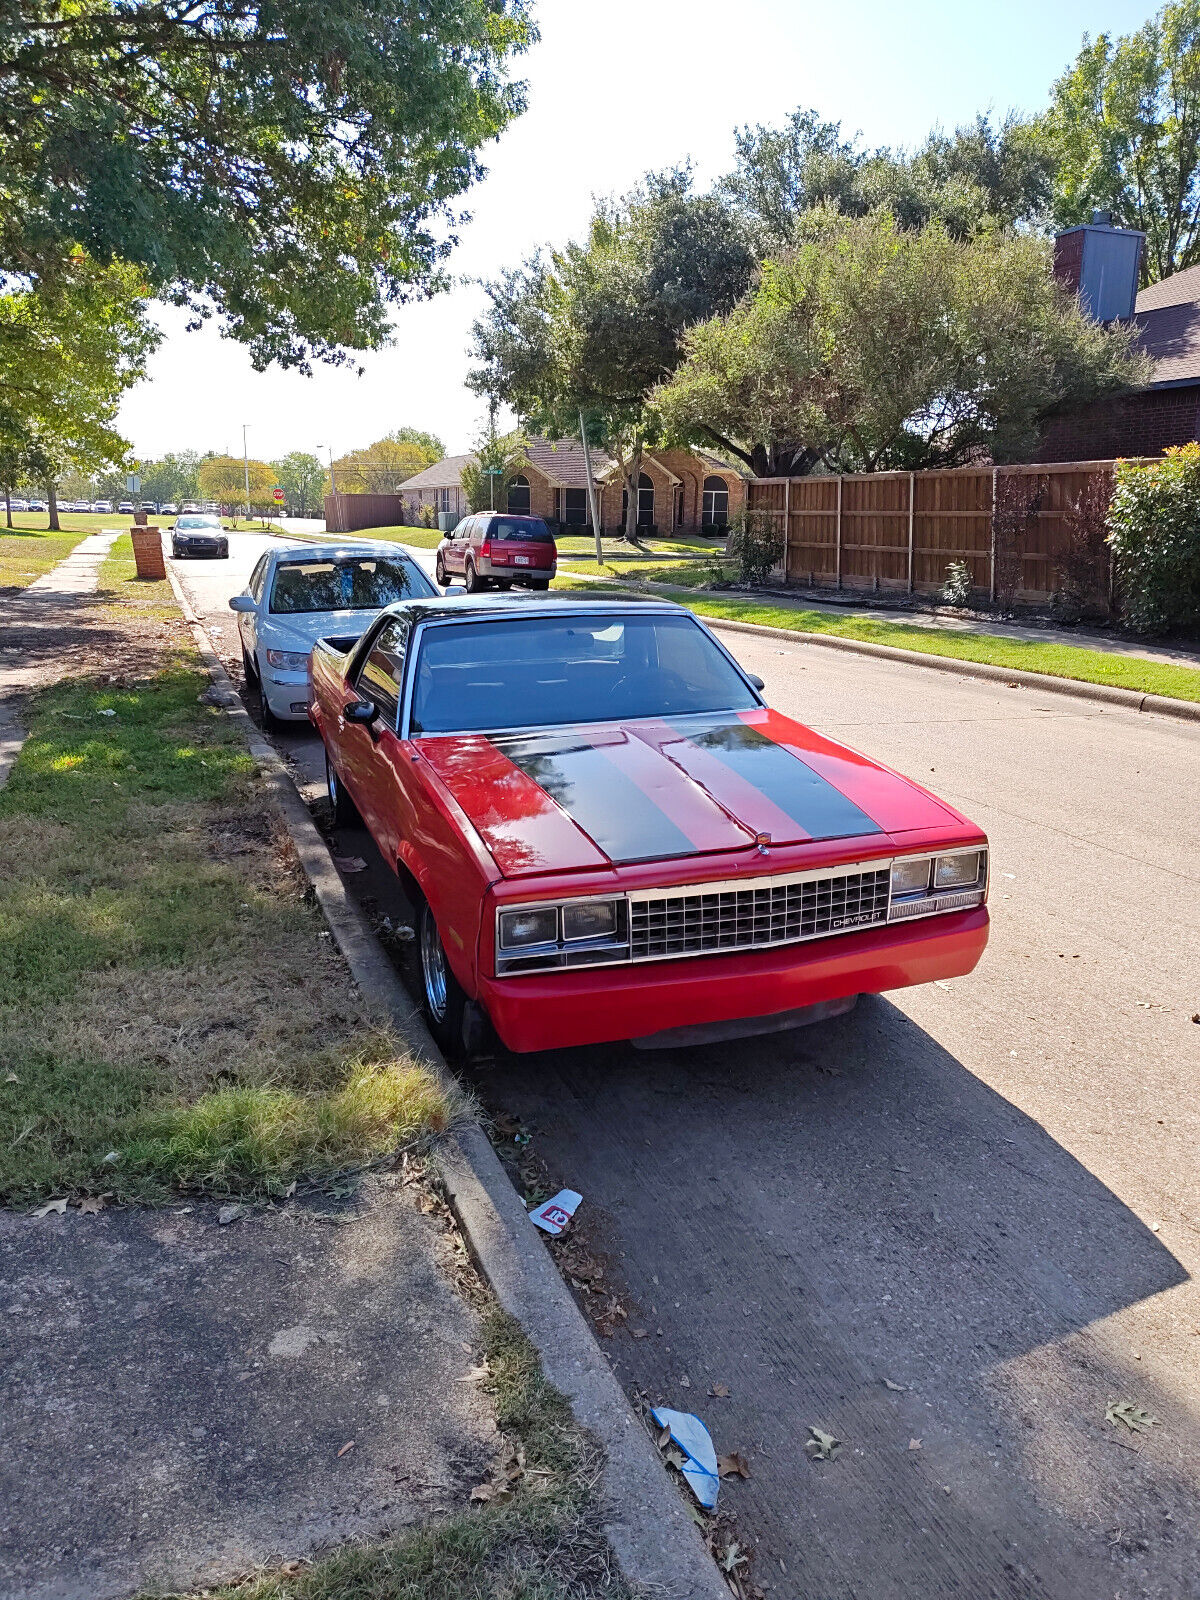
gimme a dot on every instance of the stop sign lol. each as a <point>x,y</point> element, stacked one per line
<point>279,496</point>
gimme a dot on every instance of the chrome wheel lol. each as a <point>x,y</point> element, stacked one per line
<point>433,967</point>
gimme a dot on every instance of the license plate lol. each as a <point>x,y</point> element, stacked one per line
<point>523,561</point>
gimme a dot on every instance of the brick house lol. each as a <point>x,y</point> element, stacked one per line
<point>1101,263</point>
<point>681,491</point>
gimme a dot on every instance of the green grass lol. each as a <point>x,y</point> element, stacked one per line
<point>172,1013</point>
<point>570,545</point>
<point>26,555</point>
<point>541,1542</point>
<point>1050,659</point>
<point>683,574</point>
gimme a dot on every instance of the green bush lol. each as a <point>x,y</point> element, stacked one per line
<point>1154,532</point>
<point>756,544</point>
<point>956,591</point>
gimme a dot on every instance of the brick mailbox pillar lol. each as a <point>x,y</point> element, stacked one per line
<point>148,552</point>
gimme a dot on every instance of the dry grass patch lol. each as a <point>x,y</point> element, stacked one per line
<point>173,1013</point>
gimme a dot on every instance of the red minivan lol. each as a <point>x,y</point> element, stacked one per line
<point>493,549</point>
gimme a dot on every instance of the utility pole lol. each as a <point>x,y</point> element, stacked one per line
<point>246,470</point>
<point>332,483</point>
<point>591,488</point>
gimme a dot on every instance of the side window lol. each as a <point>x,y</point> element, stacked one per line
<point>463,530</point>
<point>378,679</point>
<point>255,585</point>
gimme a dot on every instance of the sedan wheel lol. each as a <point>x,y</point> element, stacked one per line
<point>442,995</point>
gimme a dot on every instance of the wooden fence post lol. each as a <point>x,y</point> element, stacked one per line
<point>787,530</point>
<point>992,583</point>
<point>912,496</point>
<point>838,557</point>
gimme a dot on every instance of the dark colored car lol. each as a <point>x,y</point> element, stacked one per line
<point>199,535</point>
<point>494,550</point>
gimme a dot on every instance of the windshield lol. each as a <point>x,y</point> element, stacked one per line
<point>537,672</point>
<point>531,531</point>
<point>197,522</point>
<point>355,583</point>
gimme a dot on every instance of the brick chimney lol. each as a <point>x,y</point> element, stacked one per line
<point>1100,264</point>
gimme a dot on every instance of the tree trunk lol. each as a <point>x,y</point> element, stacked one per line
<point>8,507</point>
<point>631,496</point>
<point>52,497</point>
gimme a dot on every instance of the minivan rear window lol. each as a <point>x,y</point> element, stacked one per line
<point>526,530</point>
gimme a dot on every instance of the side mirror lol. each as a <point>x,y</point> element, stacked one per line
<point>360,711</point>
<point>243,602</point>
<point>454,588</point>
<point>756,680</point>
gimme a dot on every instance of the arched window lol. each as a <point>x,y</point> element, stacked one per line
<point>518,497</point>
<point>715,511</point>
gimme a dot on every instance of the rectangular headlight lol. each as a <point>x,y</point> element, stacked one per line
<point>594,920</point>
<point>520,928</point>
<point>959,871</point>
<point>910,876</point>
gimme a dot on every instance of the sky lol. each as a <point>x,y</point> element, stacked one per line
<point>614,91</point>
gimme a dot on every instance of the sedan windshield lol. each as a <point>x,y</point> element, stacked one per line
<point>185,523</point>
<point>354,583</point>
<point>538,672</point>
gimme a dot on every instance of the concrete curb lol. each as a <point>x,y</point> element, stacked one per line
<point>645,1519</point>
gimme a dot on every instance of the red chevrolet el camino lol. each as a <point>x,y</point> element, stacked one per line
<point>608,834</point>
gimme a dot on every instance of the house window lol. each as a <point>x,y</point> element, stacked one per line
<point>518,497</point>
<point>645,511</point>
<point>679,506</point>
<point>716,504</point>
<point>575,512</point>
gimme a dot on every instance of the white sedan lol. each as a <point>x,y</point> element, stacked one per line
<point>299,593</point>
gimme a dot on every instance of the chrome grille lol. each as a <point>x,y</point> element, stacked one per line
<point>743,919</point>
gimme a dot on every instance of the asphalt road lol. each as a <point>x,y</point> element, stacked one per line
<point>951,1227</point>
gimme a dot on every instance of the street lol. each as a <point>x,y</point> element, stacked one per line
<point>951,1227</point>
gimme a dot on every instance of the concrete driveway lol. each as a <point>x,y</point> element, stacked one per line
<point>955,1225</point>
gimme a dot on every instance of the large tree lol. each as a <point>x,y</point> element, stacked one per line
<point>224,479</point>
<point>381,468</point>
<point>983,176</point>
<point>294,164</point>
<point>68,351</point>
<point>593,327</point>
<point>300,475</point>
<point>867,346</point>
<point>1125,129</point>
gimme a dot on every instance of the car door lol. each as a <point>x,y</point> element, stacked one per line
<point>248,620</point>
<point>458,543</point>
<point>372,765</point>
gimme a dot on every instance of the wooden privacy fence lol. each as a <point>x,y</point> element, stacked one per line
<point>901,530</point>
<point>344,513</point>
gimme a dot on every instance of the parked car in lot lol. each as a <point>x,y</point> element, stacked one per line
<point>199,535</point>
<point>492,549</point>
<point>37,505</point>
<point>608,834</point>
<point>103,506</point>
<point>126,507</point>
<point>298,592</point>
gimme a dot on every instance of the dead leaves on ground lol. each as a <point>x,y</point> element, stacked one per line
<point>1133,1417</point>
<point>821,1446</point>
<point>508,1473</point>
<point>734,1465</point>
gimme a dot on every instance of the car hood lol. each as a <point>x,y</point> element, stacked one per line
<point>301,630</point>
<point>611,795</point>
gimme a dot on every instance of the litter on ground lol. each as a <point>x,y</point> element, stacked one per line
<point>699,1458</point>
<point>553,1215</point>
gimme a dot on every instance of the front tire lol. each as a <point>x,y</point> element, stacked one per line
<point>443,998</point>
<point>439,572</point>
<point>345,812</point>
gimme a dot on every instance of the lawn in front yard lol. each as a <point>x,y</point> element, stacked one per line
<point>1048,657</point>
<point>569,545</point>
<point>27,554</point>
<point>173,1013</point>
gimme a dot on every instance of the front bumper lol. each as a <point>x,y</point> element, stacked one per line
<point>284,692</point>
<point>550,1011</point>
<point>209,547</point>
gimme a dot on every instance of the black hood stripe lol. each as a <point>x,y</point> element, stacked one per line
<point>814,804</point>
<point>621,819</point>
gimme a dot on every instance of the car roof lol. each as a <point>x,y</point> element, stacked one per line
<point>345,547</point>
<point>486,607</point>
